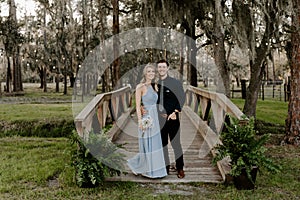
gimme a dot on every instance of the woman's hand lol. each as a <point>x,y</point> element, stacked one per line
<point>140,125</point>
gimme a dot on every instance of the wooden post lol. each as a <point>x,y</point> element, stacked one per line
<point>243,85</point>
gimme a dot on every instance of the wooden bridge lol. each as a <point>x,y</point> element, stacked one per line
<point>202,120</point>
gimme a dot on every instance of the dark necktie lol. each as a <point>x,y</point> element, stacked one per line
<point>161,96</point>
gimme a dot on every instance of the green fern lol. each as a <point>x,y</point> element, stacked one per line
<point>94,159</point>
<point>244,148</point>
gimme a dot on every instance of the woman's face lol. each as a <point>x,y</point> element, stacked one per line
<point>150,73</point>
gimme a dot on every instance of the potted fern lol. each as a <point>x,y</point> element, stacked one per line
<point>246,151</point>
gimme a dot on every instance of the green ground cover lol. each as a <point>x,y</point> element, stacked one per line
<point>39,168</point>
<point>269,111</point>
<point>29,112</point>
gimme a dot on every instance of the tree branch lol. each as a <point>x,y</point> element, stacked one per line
<point>120,10</point>
<point>208,42</point>
<point>198,36</point>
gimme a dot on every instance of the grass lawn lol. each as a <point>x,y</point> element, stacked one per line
<point>13,112</point>
<point>36,104</point>
<point>269,111</point>
<point>39,168</point>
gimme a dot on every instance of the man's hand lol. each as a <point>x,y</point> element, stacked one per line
<point>143,111</point>
<point>172,116</point>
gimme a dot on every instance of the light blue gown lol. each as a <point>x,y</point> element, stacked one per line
<point>149,162</point>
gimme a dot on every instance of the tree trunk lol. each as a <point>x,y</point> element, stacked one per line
<point>72,80</point>
<point>193,63</point>
<point>258,61</point>
<point>116,30</point>
<point>84,28</point>
<point>8,76</point>
<point>45,78</point>
<point>293,119</point>
<point>65,79</point>
<point>105,75</point>
<point>257,72</point>
<point>218,39</point>
<point>188,55</point>
<point>181,59</point>
<point>191,53</point>
<point>45,50</point>
<point>57,82</point>
<point>17,80</point>
<point>41,73</point>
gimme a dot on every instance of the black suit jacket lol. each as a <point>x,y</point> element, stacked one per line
<point>173,94</point>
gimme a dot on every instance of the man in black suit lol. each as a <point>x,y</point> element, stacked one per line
<point>171,98</point>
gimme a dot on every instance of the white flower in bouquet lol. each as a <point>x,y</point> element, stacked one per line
<point>146,122</point>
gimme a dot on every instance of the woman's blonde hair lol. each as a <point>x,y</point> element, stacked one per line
<point>149,65</point>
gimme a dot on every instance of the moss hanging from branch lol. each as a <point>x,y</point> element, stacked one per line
<point>242,26</point>
<point>157,12</point>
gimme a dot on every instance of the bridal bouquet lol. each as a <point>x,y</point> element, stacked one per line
<point>146,122</point>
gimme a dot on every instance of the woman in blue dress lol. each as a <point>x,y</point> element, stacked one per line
<point>149,162</point>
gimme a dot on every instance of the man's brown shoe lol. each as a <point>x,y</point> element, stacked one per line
<point>180,173</point>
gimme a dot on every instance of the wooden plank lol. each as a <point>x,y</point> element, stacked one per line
<point>205,105</point>
<point>189,178</point>
<point>219,116</point>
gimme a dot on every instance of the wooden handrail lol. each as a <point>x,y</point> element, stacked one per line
<point>111,104</point>
<point>217,103</point>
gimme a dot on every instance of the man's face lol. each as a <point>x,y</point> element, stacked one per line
<point>162,69</point>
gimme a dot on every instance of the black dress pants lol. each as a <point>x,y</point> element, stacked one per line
<point>170,129</point>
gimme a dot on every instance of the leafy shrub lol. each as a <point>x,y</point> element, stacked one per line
<point>94,159</point>
<point>35,128</point>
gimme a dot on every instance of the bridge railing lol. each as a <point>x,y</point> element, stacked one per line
<point>114,106</point>
<point>207,110</point>
<point>203,102</point>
